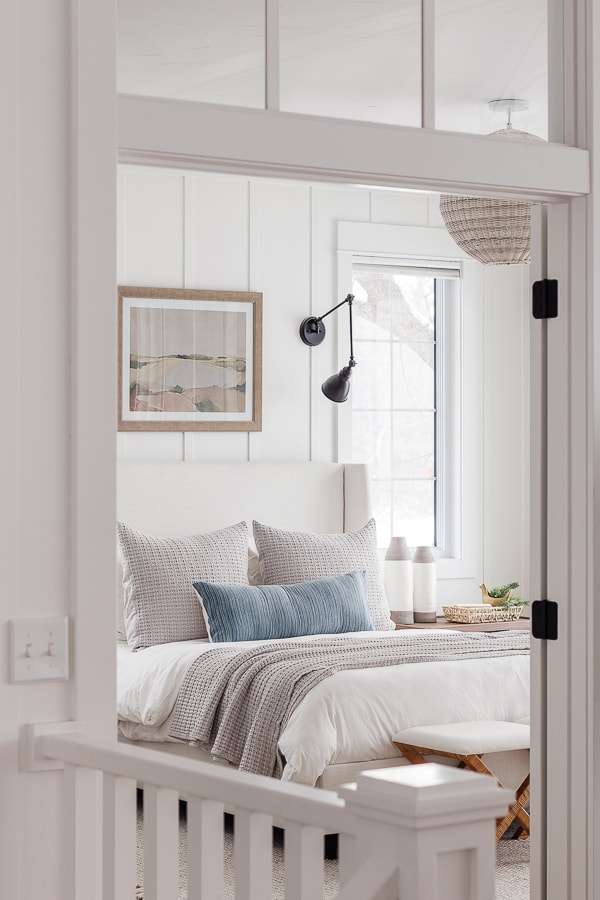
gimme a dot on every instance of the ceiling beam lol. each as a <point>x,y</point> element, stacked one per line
<point>185,134</point>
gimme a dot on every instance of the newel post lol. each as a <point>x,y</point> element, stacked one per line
<point>424,833</point>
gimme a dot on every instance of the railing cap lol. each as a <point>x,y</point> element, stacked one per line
<point>426,790</point>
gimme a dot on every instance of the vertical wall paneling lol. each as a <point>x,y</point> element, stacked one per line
<point>216,235</point>
<point>463,574</point>
<point>343,436</point>
<point>282,238</point>
<point>525,429</point>
<point>334,204</point>
<point>253,221</point>
<point>400,208</point>
<point>211,445</point>
<point>284,245</point>
<point>122,222</point>
<point>434,216</point>
<point>502,424</point>
<point>314,385</point>
<point>164,445</point>
<point>153,249</point>
<point>189,232</point>
<point>218,256</point>
<point>254,276</point>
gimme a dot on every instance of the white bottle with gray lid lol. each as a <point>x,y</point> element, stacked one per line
<point>424,585</point>
<point>398,581</point>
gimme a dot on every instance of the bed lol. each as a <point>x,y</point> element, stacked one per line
<point>343,722</point>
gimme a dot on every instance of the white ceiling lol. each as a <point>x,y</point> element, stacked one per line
<point>358,59</point>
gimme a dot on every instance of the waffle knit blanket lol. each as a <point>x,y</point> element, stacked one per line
<point>236,702</point>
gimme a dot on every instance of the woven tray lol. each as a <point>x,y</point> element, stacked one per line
<point>469,615</point>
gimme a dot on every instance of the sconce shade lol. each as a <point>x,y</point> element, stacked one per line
<point>337,387</point>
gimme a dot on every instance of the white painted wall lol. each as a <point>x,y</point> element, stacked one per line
<point>200,230</point>
<point>57,257</point>
<point>34,449</point>
<point>506,424</point>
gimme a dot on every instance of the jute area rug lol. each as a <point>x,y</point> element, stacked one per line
<point>512,868</point>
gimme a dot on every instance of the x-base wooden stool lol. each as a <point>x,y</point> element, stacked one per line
<point>468,742</point>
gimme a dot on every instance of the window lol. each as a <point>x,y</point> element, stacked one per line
<point>405,414</point>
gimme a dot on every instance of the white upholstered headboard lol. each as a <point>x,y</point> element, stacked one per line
<point>177,498</point>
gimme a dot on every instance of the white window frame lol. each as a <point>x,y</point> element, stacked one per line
<point>404,245</point>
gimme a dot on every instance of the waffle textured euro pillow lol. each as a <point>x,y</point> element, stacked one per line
<point>160,602</point>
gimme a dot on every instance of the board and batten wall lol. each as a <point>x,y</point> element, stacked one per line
<point>228,232</point>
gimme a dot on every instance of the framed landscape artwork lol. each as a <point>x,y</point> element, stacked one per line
<point>189,360</point>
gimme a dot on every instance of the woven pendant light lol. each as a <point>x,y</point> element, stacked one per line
<point>494,231</point>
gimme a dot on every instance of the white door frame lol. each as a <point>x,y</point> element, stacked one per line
<point>284,145</point>
<point>564,353</point>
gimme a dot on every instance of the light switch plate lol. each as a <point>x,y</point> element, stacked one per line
<point>39,649</point>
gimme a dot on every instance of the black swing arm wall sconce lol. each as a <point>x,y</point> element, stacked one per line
<point>312,332</point>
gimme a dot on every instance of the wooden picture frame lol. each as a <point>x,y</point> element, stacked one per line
<point>189,360</point>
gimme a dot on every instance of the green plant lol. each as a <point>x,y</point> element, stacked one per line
<point>503,589</point>
<point>514,600</point>
<point>497,593</point>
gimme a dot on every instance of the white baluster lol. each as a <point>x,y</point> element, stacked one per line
<point>161,843</point>
<point>83,829</point>
<point>347,856</point>
<point>253,837</point>
<point>205,849</point>
<point>303,862</point>
<point>119,838</point>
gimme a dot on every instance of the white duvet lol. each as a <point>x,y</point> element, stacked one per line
<point>348,717</point>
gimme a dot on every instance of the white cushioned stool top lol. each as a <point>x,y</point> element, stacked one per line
<point>467,737</point>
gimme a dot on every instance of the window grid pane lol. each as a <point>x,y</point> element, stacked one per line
<point>394,410</point>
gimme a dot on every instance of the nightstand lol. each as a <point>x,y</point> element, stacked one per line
<point>442,622</point>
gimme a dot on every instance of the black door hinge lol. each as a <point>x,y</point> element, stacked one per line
<point>544,620</point>
<point>545,299</point>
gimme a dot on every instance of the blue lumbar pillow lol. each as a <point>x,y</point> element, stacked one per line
<point>273,611</point>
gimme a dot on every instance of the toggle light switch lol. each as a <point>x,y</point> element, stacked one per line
<point>39,649</point>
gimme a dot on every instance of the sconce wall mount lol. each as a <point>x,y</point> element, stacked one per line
<point>312,333</point>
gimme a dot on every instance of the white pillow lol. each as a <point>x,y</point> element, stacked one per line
<point>160,602</point>
<point>287,557</point>
<point>254,573</point>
